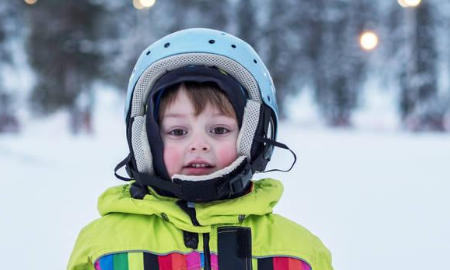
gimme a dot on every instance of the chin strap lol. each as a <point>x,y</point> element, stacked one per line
<point>263,160</point>
<point>126,162</point>
<point>224,187</point>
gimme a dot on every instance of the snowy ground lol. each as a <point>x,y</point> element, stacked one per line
<point>377,198</point>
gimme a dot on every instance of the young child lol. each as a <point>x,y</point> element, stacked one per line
<point>201,119</point>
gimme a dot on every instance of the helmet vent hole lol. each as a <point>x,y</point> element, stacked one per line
<point>166,45</point>
<point>212,41</point>
<point>233,46</point>
<point>148,52</point>
<point>254,61</point>
<point>268,98</point>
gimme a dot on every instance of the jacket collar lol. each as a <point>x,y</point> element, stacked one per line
<point>264,195</point>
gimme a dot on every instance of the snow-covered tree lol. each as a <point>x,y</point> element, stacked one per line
<point>421,106</point>
<point>337,63</point>
<point>246,24</point>
<point>62,48</point>
<point>280,47</point>
<point>9,19</point>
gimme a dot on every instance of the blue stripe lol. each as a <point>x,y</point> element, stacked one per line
<point>202,260</point>
<point>106,263</point>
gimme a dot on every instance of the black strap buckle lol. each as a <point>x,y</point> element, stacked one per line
<point>238,183</point>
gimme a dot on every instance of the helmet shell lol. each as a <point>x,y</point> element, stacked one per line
<point>202,40</point>
<point>200,48</point>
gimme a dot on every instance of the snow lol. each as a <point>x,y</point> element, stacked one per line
<point>375,196</point>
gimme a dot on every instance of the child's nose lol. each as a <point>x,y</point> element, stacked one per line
<point>200,144</point>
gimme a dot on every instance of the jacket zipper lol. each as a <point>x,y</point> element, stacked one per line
<point>206,252</point>
<point>189,209</point>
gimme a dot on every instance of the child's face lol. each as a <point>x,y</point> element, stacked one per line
<point>197,145</point>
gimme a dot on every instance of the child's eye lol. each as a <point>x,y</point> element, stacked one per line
<point>219,130</point>
<point>178,132</point>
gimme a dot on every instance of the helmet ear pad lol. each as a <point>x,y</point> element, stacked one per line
<point>260,151</point>
<point>131,126</point>
<point>154,136</point>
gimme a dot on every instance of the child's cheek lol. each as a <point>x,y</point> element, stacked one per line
<point>172,159</point>
<point>227,154</point>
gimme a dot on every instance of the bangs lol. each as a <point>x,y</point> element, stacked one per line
<point>200,95</point>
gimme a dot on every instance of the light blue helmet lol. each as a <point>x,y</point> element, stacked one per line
<point>200,48</point>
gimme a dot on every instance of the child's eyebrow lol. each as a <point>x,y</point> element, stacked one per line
<point>174,115</point>
<point>221,115</point>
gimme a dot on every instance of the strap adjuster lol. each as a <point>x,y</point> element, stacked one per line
<point>238,183</point>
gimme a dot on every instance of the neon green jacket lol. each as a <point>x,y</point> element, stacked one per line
<point>156,233</point>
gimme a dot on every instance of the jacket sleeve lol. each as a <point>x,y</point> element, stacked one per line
<point>80,258</point>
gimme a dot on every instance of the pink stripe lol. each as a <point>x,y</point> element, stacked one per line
<point>281,263</point>
<point>165,262</point>
<point>193,261</point>
<point>214,262</point>
<point>97,265</point>
<point>305,266</point>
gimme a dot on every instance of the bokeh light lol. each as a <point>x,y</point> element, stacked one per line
<point>409,3</point>
<point>137,4</point>
<point>412,3</point>
<point>142,4</point>
<point>147,3</point>
<point>368,40</point>
<point>30,2</point>
<point>402,3</point>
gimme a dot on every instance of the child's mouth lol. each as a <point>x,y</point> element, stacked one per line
<point>199,165</point>
<point>198,168</point>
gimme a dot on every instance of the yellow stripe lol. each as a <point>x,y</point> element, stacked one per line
<point>135,261</point>
<point>254,264</point>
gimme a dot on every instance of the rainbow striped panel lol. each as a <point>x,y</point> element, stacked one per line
<point>214,262</point>
<point>282,263</point>
<point>149,261</point>
<point>172,261</point>
<point>194,261</point>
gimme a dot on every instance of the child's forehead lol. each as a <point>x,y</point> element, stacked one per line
<point>183,104</point>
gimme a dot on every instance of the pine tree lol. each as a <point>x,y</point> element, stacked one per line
<point>421,106</point>
<point>280,47</point>
<point>125,33</point>
<point>9,19</point>
<point>339,61</point>
<point>247,27</point>
<point>211,14</point>
<point>62,49</point>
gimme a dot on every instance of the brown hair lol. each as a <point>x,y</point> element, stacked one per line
<point>200,95</point>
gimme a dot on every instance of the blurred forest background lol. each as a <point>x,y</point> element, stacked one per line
<point>68,47</point>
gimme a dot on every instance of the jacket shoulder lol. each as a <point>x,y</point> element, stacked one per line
<point>279,236</point>
<point>81,258</point>
<point>121,232</point>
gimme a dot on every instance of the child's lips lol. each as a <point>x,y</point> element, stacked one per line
<point>199,163</point>
<point>198,167</point>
